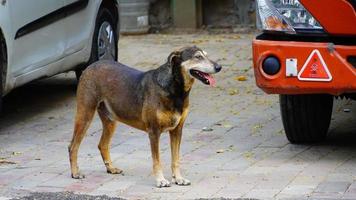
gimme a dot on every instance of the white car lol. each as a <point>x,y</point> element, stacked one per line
<point>41,38</point>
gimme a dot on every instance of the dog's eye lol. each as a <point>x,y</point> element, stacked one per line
<point>199,57</point>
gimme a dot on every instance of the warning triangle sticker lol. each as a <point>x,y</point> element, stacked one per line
<point>315,69</point>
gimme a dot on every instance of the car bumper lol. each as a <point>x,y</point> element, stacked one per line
<point>335,56</point>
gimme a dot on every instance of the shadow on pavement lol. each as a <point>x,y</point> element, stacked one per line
<point>37,97</point>
<point>342,131</point>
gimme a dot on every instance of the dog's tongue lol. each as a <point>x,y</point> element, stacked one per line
<point>210,78</point>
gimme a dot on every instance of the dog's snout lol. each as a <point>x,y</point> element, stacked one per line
<point>217,67</point>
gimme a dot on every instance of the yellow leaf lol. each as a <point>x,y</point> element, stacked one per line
<point>233,92</point>
<point>236,37</point>
<point>15,153</point>
<point>241,78</point>
<point>197,41</point>
<point>227,125</point>
<point>248,155</point>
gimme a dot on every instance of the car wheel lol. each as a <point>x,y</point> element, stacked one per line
<point>105,41</point>
<point>306,118</point>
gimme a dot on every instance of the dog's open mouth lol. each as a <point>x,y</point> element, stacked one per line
<point>203,77</point>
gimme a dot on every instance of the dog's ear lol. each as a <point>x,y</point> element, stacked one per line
<point>175,58</point>
<point>165,77</point>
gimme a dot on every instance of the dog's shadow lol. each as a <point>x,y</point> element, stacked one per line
<point>36,98</point>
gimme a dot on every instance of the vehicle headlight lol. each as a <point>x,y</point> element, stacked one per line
<point>287,16</point>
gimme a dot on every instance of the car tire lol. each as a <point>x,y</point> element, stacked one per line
<point>306,118</point>
<point>105,24</point>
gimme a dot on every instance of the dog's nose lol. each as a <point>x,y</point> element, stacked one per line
<point>217,68</point>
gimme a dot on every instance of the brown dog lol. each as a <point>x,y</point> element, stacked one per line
<point>154,101</point>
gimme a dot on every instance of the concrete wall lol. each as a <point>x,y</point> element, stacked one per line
<point>228,13</point>
<point>187,13</point>
<point>160,15</point>
<point>197,13</point>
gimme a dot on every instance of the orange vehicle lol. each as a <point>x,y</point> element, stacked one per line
<point>307,54</point>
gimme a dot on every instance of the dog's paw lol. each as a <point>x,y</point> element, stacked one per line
<point>163,183</point>
<point>114,170</point>
<point>181,181</point>
<point>78,176</point>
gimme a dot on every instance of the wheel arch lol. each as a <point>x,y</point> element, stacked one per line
<point>3,62</point>
<point>113,7</point>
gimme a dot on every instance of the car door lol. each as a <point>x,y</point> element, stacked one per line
<point>39,34</point>
<point>79,22</point>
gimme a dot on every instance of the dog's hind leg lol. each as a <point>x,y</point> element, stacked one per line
<point>84,116</point>
<point>109,126</point>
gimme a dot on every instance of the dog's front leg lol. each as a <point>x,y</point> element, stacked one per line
<point>175,137</point>
<point>157,167</point>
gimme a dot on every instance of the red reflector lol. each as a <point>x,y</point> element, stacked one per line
<point>315,69</point>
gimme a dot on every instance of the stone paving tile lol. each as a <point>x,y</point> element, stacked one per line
<point>246,155</point>
<point>29,182</point>
<point>326,195</point>
<point>238,186</point>
<point>139,191</point>
<point>210,185</point>
<point>351,191</point>
<point>262,193</point>
<point>301,190</point>
<point>332,187</point>
<point>115,187</point>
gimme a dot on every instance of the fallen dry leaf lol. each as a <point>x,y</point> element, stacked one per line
<point>235,112</point>
<point>227,125</point>
<point>280,132</point>
<point>207,129</point>
<point>256,128</point>
<point>197,41</point>
<point>220,151</point>
<point>233,92</point>
<point>6,162</point>
<point>248,155</point>
<point>231,147</point>
<point>16,153</point>
<point>241,78</point>
<point>236,37</point>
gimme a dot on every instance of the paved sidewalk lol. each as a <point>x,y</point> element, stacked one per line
<point>244,154</point>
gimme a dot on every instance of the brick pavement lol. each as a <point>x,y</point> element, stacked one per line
<point>246,155</point>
